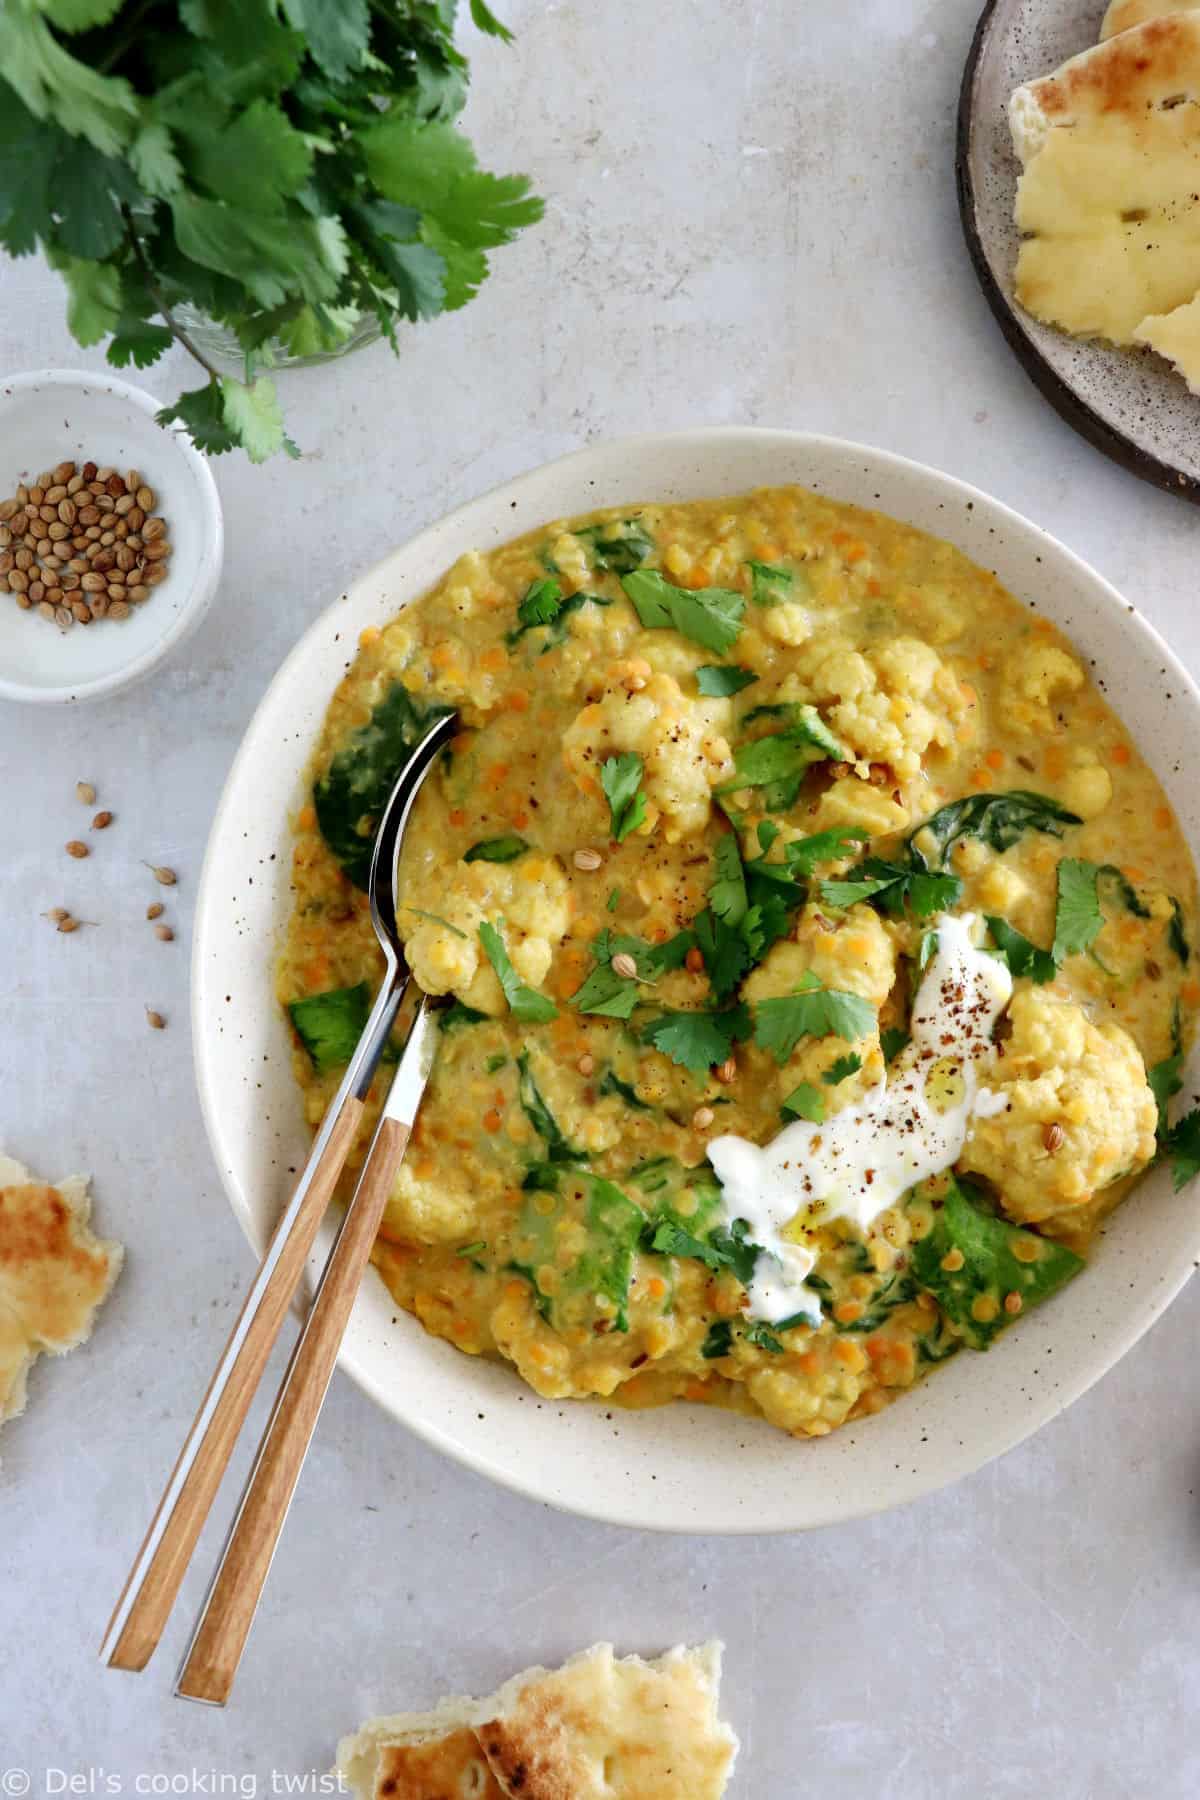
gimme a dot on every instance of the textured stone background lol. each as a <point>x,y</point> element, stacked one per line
<point>751,219</point>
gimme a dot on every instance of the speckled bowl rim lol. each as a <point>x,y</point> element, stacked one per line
<point>1066,401</point>
<point>681,1468</point>
<point>206,577</point>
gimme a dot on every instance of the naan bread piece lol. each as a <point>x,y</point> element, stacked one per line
<point>603,1729</point>
<point>54,1274</point>
<point>1109,201</point>
<point>1176,335</point>
<point>599,1728</point>
<point>1123,15</point>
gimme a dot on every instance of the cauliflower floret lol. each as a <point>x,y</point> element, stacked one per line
<point>1078,1114</point>
<point>527,900</point>
<point>787,623</point>
<point>1001,889</point>
<point>855,956</point>
<point>805,1405</point>
<point>1034,677</point>
<point>1087,786</point>
<point>683,752</point>
<point>887,705</point>
<point>854,802</point>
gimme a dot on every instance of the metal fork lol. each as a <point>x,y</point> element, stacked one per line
<point>145,1604</point>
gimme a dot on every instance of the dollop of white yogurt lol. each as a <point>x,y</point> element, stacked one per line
<point>862,1160</point>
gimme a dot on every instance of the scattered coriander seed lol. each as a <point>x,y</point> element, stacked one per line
<point>1053,1136</point>
<point>702,1118</point>
<point>164,932</point>
<point>69,924</point>
<point>85,792</point>
<point>155,910</point>
<point>57,914</point>
<point>588,859</point>
<point>624,964</point>
<point>586,1064</point>
<point>727,1071</point>
<point>77,848</point>
<point>164,877</point>
<point>94,530</point>
<point>102,821</point>
<point>155,1020</point>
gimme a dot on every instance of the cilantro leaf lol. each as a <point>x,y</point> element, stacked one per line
<point>806,1102</point>
<point>769,584</point>
<point>718,1340</point>
<point>815,1011</point>
<point>533,1105</point>
<point>525,1003</point>
<point>484,19</point>
<point>893,887</point>
<point>1077,916</point>
<point>780,762</point>
<point>621,779</point>
<point>56,85</point>
<point>1165,1079</point>
<point>709,616</point>
<point>417,271</point>
<point>842,1069</point>
<point>615,996</point>
<point>759,1333</point>
<point>698,1041</point>
<point>621,547</point>
<point>504,849</point>
<point>719,680</point>
<point>1183,1146</point>
<point>93,297</point>
<point>430,165</point>
<point>338,32</point>
<point>253,416</point>
<point>1022,956</point>
<point>804,854</point>
<point>892,1041</point>
<point>137,341</point>
<point>727,895</point>
<point>725,949</point>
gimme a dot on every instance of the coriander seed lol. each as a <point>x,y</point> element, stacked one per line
<point>85,792</point>
<point>164,932</point>
<point>77,848</point>
<point>155,910</point>
<point>155,1020</point>
<point>102,821</point>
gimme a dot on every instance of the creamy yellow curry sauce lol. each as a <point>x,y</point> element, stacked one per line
<point>720,768</point>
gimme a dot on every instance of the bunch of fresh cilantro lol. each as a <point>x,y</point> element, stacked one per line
<point>286,167</point>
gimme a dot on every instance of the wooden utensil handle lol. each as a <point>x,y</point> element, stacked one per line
<point>149,1594</point>
<point>216,1648</point>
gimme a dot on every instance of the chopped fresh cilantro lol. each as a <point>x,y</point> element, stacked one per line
<point>697,1040</point>
<point>760,1334</point>
<point>725,949</point>
<point>498,849</point>
<point>1077,915</point>
<point>769,584</point>
<point>620,546</point>
<point>779,763</point>
<point>926,950</point>
<point>842,1069</point>
<point>458,1013</point>
<point>1183,1146</point>
<point>472,1249</point>
<point>1126,893</point>
<point>621,779</point>
<point>709,616</point>
<point>893,888</point>
<point>525,1003</point>
<point>495,1062</point>
<point>815,1011</point>
<point>614,996</point>
<point>719,680</point>
<point>1022,957</point>
<point>611,1083</point>
<point>727,895</point>
<point>804,854</point>
<point>541,606</point>
<point>719,1340</point>
<point>806,1102</point>
<point>892,1041</point>
<point>613,900</point>
<point>1165,1079</point>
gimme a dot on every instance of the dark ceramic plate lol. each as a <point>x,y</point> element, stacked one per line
<point>1127,403</point>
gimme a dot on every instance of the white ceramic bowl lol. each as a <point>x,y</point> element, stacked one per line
<point>681,1467</point>
<point>55,415</point>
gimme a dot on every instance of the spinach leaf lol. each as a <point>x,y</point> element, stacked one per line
<point>621,547</point>
<point>524,1002</point>
<point>329,1025</point>
<point>354,790</point>
<point>558,1147</point>
<point>603,1265</point>
<point>1022,956</point>
<point>984,1247</point>
<point>611,1083</point>
<point>1176,935</point>
<point>723,1248</point>
<point>709,616</point>
<point>998,820</point>
<point>504,849</point>
<point>759,1333</point>
<point>719,680</point>
<point>459,1013</point>
<point>718,1341</point>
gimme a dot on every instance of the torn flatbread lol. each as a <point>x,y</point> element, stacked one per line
<point>1109,201</point>
<point>599,1728</point>
<point>1123,15</point>
<point>54,1274</point>
<point>1176,335</point>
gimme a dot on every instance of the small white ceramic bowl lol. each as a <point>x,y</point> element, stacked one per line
<point>56,415</point>
<point>684,1468</point>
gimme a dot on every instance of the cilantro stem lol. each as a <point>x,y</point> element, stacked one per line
<point>172,324</point>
